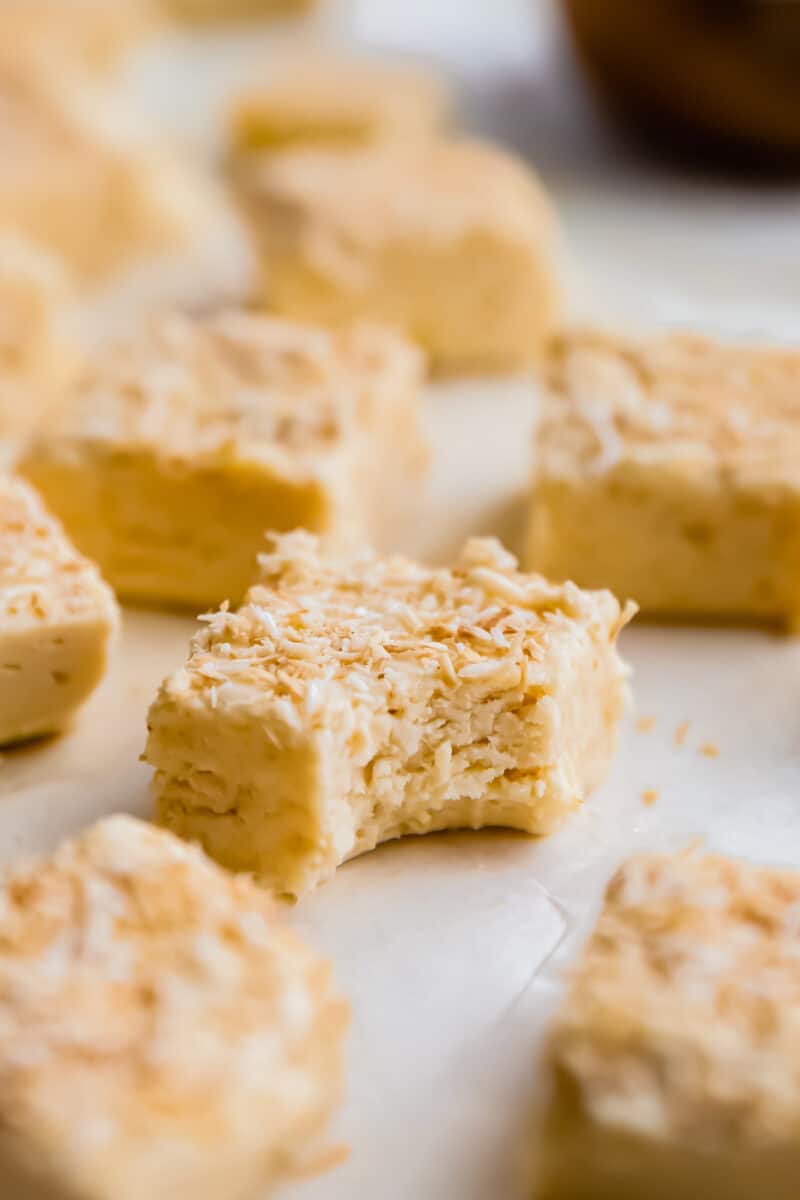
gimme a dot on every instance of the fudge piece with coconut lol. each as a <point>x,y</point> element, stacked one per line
<point>80,176</point>
<point>337,102</point>
<point>667,470</point>
<point>37,354</point>
<point>57,618</point>
<point>674,1064</point>
<point>454,242</point>
<point>352,701</point>
<point>177,450</point>
<point>162,1034</point>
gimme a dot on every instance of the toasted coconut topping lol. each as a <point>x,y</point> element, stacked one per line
<point>434,190</point>
<point>162,991</point>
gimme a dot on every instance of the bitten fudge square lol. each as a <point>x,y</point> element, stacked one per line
<point>57,619</point>
<point>666,469</point>
<point>350,701</point>
<point>162,1034</point>
<point>673,1066</point>
<point>454,242</point>
<point>176,450</point>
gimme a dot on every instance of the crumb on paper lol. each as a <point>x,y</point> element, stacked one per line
<point>710,750</point>
<point>646,724</point>
<point>650,796</point>
<point>681,732</point>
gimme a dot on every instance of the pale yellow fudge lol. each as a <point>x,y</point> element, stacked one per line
<point>337,102</point>
<point>353,701</point>
<point>673,1067</point>
<point>237,10</point>
<point>57,619</point>
<point>78,176</point>
<point>667,469</point>
<point>454,242</point>
<point>90,34</point>
<point>178,449</point>
<point>37,354</point>
<point>163,1036</point>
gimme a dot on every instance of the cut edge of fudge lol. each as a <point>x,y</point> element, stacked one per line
<point>353,700</point>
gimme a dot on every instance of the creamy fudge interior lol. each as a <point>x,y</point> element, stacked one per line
<point>352,701</point>
<point>177,450</point>
<point>667,470</point>
<point>672,1065</point>
<point>57,619</point>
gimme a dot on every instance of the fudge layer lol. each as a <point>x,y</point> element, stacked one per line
<point>162,1035</point>
<point>177,450</point>
<point>666,470</point>
<point>454,242</point>
<point>79,176</point>
<point>337,102</point>
<point>57,619</point>
<point>37,355</point>
<point>356,700</point>
<point>674,1064</point>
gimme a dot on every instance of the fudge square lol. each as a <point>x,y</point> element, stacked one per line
<point>674,1064</point>
<point>353,701</point>
<point>667,471</point>
<point>162,1035</point>
<point>57,619</point>
<point>339,102</point>
<point>454,242</point>
<point>179,448</point>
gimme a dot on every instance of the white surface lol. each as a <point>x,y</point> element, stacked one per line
<point>446,944</point>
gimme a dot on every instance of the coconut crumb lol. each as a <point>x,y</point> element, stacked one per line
<point>709,750</point>
<point>646,724</point>
<point>681,732</point>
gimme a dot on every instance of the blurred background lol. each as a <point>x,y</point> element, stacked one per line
<point>684,114</point>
